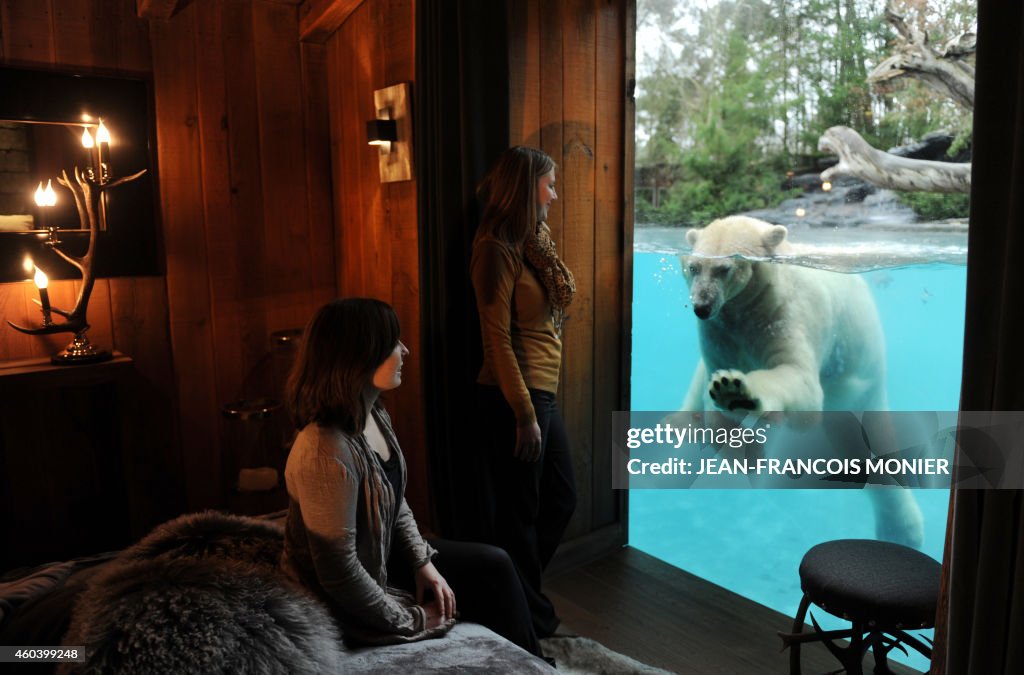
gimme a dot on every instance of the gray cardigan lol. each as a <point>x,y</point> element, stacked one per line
<point>343,520</point>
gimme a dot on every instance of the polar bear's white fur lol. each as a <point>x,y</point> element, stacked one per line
<point>780,337</point>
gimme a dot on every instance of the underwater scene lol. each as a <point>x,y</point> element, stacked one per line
<point>751,541</point>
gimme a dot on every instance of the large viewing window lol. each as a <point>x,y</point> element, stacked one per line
<point>761,108</point>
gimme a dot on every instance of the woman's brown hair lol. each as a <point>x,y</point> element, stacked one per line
<point>342,347</point>
<point>509,194</point>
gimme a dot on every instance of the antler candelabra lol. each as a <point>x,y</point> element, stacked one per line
<point>87,188</point>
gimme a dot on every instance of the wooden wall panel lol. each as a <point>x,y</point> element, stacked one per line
<point>245,209</point>
<point>283,161</point>
<point>80,27</point>
<point>13,307</point>
<point>247,205</point>
<point>245,284</point>
<point>319,200</point>
<point>27,34</point>
<point>612,245</point>
<point>577,243</point>
<point>568,85</point>
<point>377,250</point>
<point>215,38</point>
<point>524,71</point>
<point>188,286</point>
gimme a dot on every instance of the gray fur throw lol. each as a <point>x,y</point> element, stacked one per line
<point>202,594</point>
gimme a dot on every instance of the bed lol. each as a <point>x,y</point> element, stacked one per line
<point>202,593</point>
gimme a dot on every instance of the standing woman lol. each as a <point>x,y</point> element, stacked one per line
<point>350,536</point>
<point>522,290</point>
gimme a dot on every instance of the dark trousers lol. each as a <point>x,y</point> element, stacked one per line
<point>486,586</point>
<point>532,501</point>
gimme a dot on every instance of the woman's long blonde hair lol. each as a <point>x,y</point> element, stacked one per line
<point>509,194</point>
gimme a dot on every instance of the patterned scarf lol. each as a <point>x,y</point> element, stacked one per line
<point>557,279</point>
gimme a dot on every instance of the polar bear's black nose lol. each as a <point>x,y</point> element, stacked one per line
<point>702,311</point>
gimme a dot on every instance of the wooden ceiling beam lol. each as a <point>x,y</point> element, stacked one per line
<point>318,19</point>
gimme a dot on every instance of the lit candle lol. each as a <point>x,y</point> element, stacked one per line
<point>49,193</point>
<point>45,198</point>
<point>44,296</point>
<point>103,140</point>
<point>88,144</point>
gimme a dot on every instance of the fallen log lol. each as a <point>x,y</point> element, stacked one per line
<point>857,158</point>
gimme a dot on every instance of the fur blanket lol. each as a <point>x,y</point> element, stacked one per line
<point>202,594</point>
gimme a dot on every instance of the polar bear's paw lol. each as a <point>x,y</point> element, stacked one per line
<point>729,391</point>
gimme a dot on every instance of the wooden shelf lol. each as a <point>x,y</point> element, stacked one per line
<point>42,370</point>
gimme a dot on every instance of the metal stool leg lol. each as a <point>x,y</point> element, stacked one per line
<point>798,627</point>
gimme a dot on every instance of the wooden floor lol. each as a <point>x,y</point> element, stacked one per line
<point>640,606</point>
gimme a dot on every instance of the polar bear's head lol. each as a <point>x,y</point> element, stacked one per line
<point>720,266</point>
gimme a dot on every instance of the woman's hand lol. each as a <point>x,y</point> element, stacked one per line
<point>528,442</point>
<point>428,578</point>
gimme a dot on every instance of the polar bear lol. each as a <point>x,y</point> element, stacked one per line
<point>780,337</point>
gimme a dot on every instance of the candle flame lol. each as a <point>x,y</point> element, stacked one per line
<point>27,264</point>
<point>41,279</point>
<point>50,195</point>
<point>40,195</point>
<point>102,135</point>
<point>87,141</point>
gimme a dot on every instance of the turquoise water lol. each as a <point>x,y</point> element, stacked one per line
<point>751,541</point>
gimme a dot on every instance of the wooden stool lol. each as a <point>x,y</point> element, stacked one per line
<point>879,587</point>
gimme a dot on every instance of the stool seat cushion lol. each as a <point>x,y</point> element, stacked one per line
<point>872,582</point>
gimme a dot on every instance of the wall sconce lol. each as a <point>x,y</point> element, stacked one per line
<point>382,132</point>
<point>391,132</point>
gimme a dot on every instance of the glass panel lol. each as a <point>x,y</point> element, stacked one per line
<point>30,152</point>
<point>733,101</point>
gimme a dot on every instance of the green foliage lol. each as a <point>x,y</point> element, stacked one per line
<point>931,206</point>
<point>962,141</point>
<point>741,90</point>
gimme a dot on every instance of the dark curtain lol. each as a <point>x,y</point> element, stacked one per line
<point>985,633</point>
<point>462,125</point>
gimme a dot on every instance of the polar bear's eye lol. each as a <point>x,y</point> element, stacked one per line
<point>720,271</point>
<point>694,268</point>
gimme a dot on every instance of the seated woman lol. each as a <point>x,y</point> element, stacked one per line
<point>350,536</point>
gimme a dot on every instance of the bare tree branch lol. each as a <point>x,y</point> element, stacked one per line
<point>944,70</point>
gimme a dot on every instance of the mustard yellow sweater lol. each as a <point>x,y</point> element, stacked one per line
<point>521,345</point>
